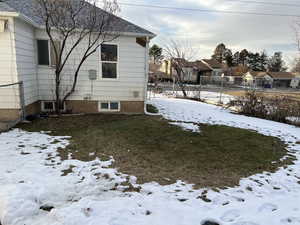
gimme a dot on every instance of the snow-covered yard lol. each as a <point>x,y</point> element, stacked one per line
<point>207,96</point>
<point>31,181</point>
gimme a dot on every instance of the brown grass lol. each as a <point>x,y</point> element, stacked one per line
<point>153,150</point>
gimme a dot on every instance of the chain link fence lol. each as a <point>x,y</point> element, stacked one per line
<point>219,90</point>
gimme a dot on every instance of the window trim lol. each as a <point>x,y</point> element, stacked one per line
<point>109,110</point>
<point>100,77</point>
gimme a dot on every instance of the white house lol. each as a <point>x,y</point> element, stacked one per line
<point>25,55</point>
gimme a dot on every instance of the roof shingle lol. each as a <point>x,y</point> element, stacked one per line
<point>26,7</point>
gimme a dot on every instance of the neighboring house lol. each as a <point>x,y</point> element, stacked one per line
<point>155,74</point>
<point>282,79</point>
<point>254,78</point>
<point>215,66</point>
<point>268,79</point>
<point>234,75</point>
<point>26,55</point>
<point>193,71</point>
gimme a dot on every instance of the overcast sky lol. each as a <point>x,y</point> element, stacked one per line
<point>205,30</point>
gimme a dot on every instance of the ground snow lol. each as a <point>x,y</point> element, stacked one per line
<point>30,177</point>
<point>187,126</point>
<point>207,96</point>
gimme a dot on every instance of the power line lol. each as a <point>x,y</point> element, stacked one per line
<point>266,3</point>
<point>207,10</point>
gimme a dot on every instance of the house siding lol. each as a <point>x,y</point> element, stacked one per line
<point>8,70</point>
<point>131,74</point>
<point>25,45</point>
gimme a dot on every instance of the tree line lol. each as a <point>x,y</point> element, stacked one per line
<point>255,61</point>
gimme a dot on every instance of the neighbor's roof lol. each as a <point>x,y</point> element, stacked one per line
<point>258,73</point>
<point>26,8</point>
<point>201,66</point>
<point>282,75</point>
<point>213,63</point>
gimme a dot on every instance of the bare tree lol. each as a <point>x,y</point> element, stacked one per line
<point>69,24</point>
<point>179,53</point>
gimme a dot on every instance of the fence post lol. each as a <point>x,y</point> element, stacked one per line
<point>22,100</point>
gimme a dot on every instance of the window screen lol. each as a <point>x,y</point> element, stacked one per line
<point>43,52</point>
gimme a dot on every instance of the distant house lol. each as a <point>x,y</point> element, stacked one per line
<point>234,75</point>
<point>254,78</point>
<point>268,79</point>
<point>155,74</point>
<point>216,67</point>
<point>282,79</point>
<point>194,71</point>
<point>117,82</point>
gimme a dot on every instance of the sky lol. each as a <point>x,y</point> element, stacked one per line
<point>204,30</point>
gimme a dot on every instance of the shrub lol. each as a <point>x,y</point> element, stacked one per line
<point>277,108</point>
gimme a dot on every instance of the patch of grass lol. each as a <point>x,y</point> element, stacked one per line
<point>153,150</point>
<point>151,108</point>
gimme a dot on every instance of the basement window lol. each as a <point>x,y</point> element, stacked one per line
<point>49,106</point>
<point>109,106</point>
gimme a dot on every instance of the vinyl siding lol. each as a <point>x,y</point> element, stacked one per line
<point>9,96</point>
<point>131,74</point>
<point>26,59</point>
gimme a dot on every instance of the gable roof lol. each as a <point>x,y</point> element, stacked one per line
<point>198,65</point>
<point>214,64</point>
<point>26,8</point>
<point>282,75</point>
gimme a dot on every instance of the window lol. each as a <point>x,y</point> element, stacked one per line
<point>49,106</point>
<point>109,61</point>
<point>46,58</point>
<point>110,106</point>
<point>43,52</point>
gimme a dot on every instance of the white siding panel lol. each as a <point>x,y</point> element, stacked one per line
<point>26,59</point>
<point>131,71</point>
<point>9,96</point>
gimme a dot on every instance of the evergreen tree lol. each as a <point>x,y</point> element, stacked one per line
<point>219,53</point>
<point>228,58</point>
<point>156,52</point>
<point>236,59</point>
<point>243,57</point>
<point>263,61</point>
<point>276,63</point>
<point>254,61</point>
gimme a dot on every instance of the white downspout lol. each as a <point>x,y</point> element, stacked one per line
<point>146,74</point>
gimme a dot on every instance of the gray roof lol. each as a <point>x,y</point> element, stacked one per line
<point>26,7</point>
